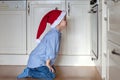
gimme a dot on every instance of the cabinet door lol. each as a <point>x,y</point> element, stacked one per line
<point>77,38</point>
<point>12,32</point>
<point>36,10</point>
<point>114,61</point>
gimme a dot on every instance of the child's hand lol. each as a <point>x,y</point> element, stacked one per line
<point>49,66</point>
<point>51,69</point>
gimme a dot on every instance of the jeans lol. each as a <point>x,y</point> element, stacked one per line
<point>42,73</point>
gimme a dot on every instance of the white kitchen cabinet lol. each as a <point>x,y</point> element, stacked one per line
<point>36,10</point>
<point>77,37</point>
<point>12,28</point>
<point>75,43</point>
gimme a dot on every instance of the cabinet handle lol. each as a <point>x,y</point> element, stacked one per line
<point>105,2</point>
<point>68,9</point>
<point>28,8</point>
<point>115,53</point>
<point>56,8</point>
<point>116,1</point>
<point>92,11</point>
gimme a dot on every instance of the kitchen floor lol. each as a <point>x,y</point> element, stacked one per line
<point>63,73</point>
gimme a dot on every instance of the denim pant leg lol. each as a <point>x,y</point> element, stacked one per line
<point>24,74</point>
<point>42,72</point>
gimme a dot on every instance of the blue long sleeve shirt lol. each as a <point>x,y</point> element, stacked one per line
<point>47,49</point>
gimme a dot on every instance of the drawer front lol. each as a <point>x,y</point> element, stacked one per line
<point>13,5</point>
<point>114,61</point>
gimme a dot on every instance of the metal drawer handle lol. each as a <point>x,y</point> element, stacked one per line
<point>4,6</point>
<point>115,53</point>
<point>116,1</point>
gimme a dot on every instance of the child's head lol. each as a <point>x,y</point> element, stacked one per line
<point>62,24</point>
<point>55,18</point>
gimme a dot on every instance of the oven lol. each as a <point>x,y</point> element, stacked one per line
<point>94,29</point>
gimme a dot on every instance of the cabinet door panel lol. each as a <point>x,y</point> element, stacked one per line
<point>12,32</point>
<point>78,31</point>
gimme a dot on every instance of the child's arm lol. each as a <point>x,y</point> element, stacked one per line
<point>49,66</point>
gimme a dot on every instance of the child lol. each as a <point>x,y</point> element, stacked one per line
<point>42,58</point>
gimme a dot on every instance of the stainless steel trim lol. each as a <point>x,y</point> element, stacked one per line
<point>94,12</point>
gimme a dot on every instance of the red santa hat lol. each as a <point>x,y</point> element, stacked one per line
<point>53,17</point>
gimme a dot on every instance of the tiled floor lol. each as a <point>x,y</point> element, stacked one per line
<point>63,73</point>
